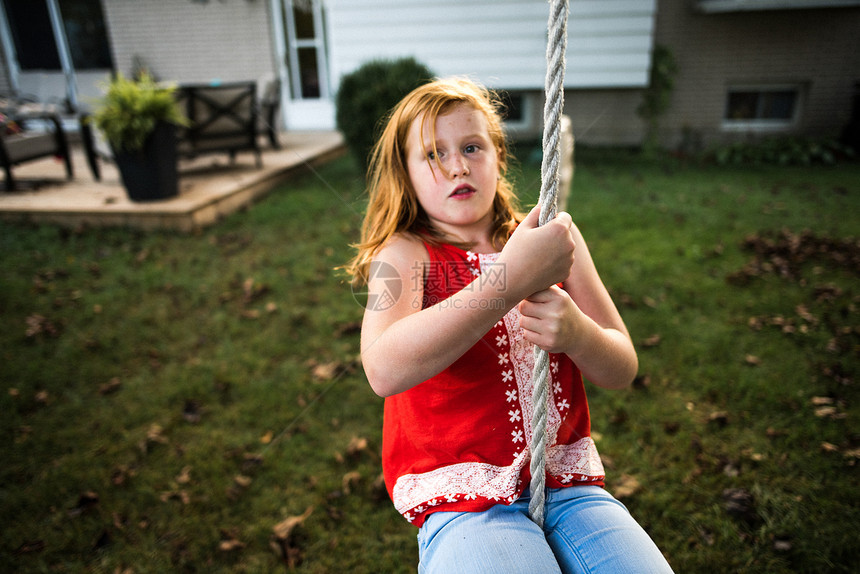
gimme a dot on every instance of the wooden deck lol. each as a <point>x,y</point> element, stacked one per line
<point>211,187</point>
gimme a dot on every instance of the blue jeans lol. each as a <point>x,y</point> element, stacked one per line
<point>585,531</point>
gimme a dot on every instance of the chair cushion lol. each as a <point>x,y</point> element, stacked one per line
<point>26,145</point>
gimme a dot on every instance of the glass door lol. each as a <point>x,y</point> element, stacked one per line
<point>306,49</point>
<point>59,48</point>
<point>301,38</point>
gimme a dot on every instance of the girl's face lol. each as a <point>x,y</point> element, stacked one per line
<point>457,186</point>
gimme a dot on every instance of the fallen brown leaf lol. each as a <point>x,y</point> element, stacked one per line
<point>829,412</point>
<point>326,371</point>
<point>349,480</point>
<point>284,529</point>
<point>281,541</point>
<point>626,487</point>
<point>155,434</point>
<point>109,387</point>
<point>642,382</point>
<point>184,476</point>
<point>40,325</point>
<point>121,474</point>
<point>230,542</point>
<point>720,418</point>
<point>356,446</point>
<point>86,501</point>
<point>242,480</point>
<point>852,453</point>
<point>192,411</point>
<point>739,502</point>
<point>180,495</point>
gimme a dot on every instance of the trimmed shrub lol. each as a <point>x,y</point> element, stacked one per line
<point>368,94</point>
<point>783,151</point>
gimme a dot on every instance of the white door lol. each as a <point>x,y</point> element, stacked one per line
<point>57,50</point>
<point>301,43</point>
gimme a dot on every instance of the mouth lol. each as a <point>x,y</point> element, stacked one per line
<point>463,191</point>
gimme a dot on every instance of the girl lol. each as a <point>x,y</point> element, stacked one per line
<point>460,289</point>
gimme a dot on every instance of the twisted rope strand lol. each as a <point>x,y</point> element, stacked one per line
<point>550,167</point>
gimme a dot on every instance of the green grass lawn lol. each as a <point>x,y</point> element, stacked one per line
<point>196,403</point>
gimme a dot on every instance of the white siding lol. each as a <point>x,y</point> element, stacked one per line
<point>501,43</point>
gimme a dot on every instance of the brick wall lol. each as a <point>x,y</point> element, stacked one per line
<point>185,41</point>
<point>817,49</point>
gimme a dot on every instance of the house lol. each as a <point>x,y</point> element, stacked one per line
<point>760,67</point>
<point>744,66</point>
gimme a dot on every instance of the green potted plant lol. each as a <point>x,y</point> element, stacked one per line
<point>139,118</point>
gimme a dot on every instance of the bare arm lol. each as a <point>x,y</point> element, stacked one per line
<point>582,321</point>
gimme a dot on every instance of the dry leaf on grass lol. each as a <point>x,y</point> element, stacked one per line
<point>282,540</point>
<point>349,480</point>
<point>740,503</point>
<point>180,495</point>
<point>242,480</point>
<point>284,529</point>
<point>230,542</point>
<point>719,418</point>
<point>626,486</point>
<point>326,371</point>
<point>86,501</point>
<point>184,476</point>
<point>357,445</point>
<point>109,387</point>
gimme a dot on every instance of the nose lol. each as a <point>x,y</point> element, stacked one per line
<point>457,165</point>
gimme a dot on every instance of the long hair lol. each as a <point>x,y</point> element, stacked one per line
<point>393,206</point>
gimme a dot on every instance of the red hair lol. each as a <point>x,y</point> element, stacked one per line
<point>393,206</point>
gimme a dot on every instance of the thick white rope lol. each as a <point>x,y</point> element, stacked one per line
<point>550,167</point>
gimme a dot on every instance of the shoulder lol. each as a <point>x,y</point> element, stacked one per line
<point>402,247</point>
<point>402,254</point>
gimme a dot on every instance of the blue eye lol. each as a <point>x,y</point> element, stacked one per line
<point>471,148</point>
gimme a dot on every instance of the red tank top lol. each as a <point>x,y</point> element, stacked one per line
<point>460,440</point>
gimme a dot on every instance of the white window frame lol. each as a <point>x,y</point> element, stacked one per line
<point>295,44</point>
<point>526,109</point>
<point>763,124</point>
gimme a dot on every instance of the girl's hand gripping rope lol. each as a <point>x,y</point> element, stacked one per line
<point>536,257</point>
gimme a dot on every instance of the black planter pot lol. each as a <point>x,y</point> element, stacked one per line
<point>150,174</point>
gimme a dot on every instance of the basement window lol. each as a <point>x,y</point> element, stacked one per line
<point>516,109</point>
<point>761,108</point>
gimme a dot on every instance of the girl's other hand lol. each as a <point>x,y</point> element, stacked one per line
<point>536,257</point>
<point>549,319</point>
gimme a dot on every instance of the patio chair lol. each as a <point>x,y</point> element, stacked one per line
<point>17,147</point>
<point>270,102</point>
<point>223,118</point>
